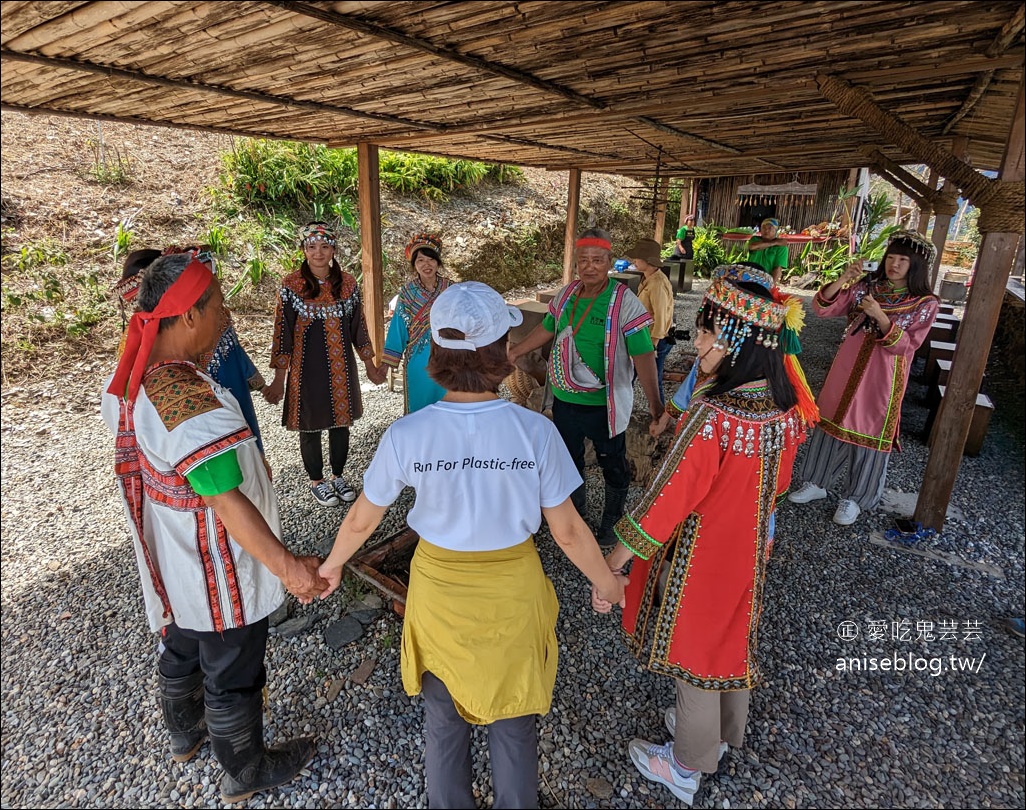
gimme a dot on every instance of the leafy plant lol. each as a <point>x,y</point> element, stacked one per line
<point>36,254</point>
<point>216,238</point>
<point>109,165</point>
<point>122,241</point>
<point>709,249</point>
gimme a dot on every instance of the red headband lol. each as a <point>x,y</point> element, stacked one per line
<point>142,329</point>
<point>594,241</point>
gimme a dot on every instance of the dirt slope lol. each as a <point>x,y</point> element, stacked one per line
<point>49,200</point>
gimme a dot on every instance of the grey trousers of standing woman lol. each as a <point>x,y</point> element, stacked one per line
<point>704,719</point>
<point>512,747</point>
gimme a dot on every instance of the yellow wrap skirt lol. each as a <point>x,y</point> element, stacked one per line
<point>484,623</point>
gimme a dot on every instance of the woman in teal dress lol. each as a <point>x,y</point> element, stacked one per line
<point>409,331</point>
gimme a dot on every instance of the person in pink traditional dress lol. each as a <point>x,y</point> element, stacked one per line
<point>701,533</point>
<point>889,316</point>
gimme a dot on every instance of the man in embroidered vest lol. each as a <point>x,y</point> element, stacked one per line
<point>204,520</point>
<point>601,336</point>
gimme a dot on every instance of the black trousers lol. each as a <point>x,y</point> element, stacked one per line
<point>313,455</point>
<point>232,662</point>
<point>575,423</point>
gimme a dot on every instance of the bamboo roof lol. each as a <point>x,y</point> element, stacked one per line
<point>636,88</point>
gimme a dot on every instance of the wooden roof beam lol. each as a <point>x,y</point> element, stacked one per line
<point>998,200</point>
<point>452,55</point>
<point>1010,31</point>
<point>924,196</point>
<point>128,119</point>
<point>398,37</point>
<point>180,84</point>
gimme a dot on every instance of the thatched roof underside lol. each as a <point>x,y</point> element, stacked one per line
<point>685,88</point>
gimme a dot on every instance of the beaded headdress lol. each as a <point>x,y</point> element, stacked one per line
<point>736,273</point>
<point>915,242</point>
<point>423,240</point>
<point>317,231</point>
<point>775,323</point>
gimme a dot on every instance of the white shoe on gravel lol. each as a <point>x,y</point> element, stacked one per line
<point>807,492</point>
<point>670,719</point>
<point>847,512</point>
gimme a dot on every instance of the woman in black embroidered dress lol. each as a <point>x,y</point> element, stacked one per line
<point>319,329</point>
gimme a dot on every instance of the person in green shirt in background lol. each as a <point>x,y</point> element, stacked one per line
<point>600,333</point>
<point>684,247</point>
<point>768,250</point>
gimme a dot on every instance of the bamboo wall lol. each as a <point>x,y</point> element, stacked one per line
<point>724,209</point>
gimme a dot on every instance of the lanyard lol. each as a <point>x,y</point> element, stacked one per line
<point>573,313</point>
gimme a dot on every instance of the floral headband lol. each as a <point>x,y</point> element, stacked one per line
<point>915,242</point>
<point>317,232</point>
<point>423,239</point>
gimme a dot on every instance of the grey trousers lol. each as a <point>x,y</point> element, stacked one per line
<point>827,458</point>
<point>512,747</point>
<point>704,719</point>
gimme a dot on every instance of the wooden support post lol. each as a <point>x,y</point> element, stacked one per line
<point>573,205</point>
<point>942,222</point>
<point>370,244</point>
<point>662,193</point>
<point>997,255</point>
<point>926,206</point>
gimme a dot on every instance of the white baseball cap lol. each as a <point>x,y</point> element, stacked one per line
<point>476,310</point>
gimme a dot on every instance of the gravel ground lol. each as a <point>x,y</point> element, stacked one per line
<point>81,726</point>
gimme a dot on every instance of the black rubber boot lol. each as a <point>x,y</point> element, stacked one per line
<point>616,499</point>
<point>237,736</point>
<point>181,702</point>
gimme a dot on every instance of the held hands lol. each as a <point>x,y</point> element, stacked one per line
<point>302,579</point>
<point>332,574</point>
<point>273,391</point>
<point>602,602</point>
<point>376,374</point>
<point>658,426</point>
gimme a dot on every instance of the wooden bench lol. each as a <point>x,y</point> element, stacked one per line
<point>940,332</point>
<point>938,374</point>
<point>938,349</point>
<point>682,275</point>
<point>954,320</point>
<point>977,427</point>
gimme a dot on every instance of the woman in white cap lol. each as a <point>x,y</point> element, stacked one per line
<point>479,637</point>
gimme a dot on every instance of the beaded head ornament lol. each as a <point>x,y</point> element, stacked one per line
<point>423,240</point>
<point>775,322</point>
<point>915,242</point>
<point>317,232</point>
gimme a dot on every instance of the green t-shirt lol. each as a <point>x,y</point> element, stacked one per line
<point>682,233</point>
<point>591,340</point>
<point>769,259</point>
<point>216,475</point>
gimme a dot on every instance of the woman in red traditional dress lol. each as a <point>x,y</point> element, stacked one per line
<point>701,533</point>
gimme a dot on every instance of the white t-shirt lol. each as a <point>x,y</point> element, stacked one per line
<point>482,472</point>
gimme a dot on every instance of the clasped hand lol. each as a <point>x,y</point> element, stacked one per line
<point>303,580</point>
<point>603,602</point>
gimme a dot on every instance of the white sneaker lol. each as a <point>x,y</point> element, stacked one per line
<point>807,492</point>
<point>655,763</point>
<point>847,512</point>
<point>670,718</point>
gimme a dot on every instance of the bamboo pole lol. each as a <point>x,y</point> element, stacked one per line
<point>370,244</point>
<point>573,204</point>
<point>662,191</point>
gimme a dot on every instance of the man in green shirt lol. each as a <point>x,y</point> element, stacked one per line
<point>601,336</point>
<point>768,250</point>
